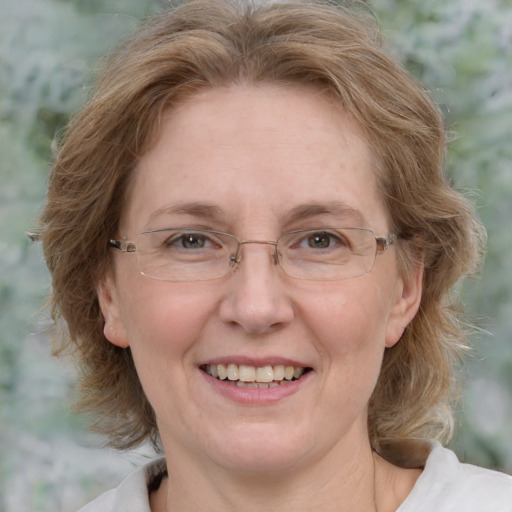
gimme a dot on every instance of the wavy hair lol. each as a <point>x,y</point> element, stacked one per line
<point>212,43</point>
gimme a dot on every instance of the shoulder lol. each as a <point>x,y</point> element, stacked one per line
<point>447,485</point>
<point>131,495</point>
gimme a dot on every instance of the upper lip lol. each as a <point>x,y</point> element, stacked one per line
<point>255,361</point>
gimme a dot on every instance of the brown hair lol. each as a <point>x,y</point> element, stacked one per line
<point>210,43</point>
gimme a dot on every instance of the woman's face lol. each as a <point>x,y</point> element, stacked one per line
<point>257,162</point>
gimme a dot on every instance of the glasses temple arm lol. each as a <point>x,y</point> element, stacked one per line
<point>122,246</point>
<point>388,241</point>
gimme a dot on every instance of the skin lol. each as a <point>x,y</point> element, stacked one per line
<point>254,156</point>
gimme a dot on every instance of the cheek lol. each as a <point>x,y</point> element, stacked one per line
<point>166,319</point>
<point>347,319</point>
<point>349,334</point>
<point>165,329</point>
<point>349,331</point>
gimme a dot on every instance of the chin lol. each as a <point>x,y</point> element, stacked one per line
<point>260,449</point>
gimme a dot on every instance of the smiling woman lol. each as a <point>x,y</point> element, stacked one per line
<point>261,277</point>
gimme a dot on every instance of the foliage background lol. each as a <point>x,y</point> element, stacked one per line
<point>49,53</point>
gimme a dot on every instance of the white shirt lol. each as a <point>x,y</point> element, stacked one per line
<point>445,485</point>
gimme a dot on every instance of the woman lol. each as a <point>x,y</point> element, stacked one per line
<point>253,246</point>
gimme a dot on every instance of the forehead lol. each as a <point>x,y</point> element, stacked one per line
<point>255,153</point>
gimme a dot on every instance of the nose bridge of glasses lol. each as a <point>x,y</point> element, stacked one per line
<point>238,256</point>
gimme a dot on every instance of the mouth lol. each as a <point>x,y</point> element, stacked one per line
<point>247,376</point>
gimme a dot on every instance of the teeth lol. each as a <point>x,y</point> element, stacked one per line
<point>241,384</point>
<point>222,371</point>
<point>289,372</point>
<point>260,385</point>
<point>232,372</point>
<point>252,376</point>
<point>265,374</point>
<point>279,372</point>
<point>246,373</point>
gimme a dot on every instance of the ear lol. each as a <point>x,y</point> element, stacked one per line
<point>406,306</point>
<point>113,329</point>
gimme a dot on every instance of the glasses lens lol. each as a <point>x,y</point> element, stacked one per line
<point>327,253</point>
<point>198,255</point>
<point>184,254</point>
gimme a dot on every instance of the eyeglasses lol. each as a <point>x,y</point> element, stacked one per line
<point>321,254</point>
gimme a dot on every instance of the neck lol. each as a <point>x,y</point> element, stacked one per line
<point>343,484</point>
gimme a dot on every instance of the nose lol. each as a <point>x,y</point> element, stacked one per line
<point>256,300</point>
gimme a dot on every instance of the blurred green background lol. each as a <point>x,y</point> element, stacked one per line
<point>49,54</point>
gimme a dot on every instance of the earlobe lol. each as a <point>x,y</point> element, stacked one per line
<point>406,306</point>
<point>114,326</point>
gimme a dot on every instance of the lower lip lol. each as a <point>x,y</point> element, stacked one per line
<point>256,396</point>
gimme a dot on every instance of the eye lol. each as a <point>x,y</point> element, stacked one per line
<point>324,240</point>
<point>191,240</point>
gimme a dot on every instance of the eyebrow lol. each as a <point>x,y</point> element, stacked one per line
<point>200,210</point>
<point>301,212</point>
<point>338,208</point>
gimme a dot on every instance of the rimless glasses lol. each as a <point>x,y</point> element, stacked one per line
<point>320,254</point>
